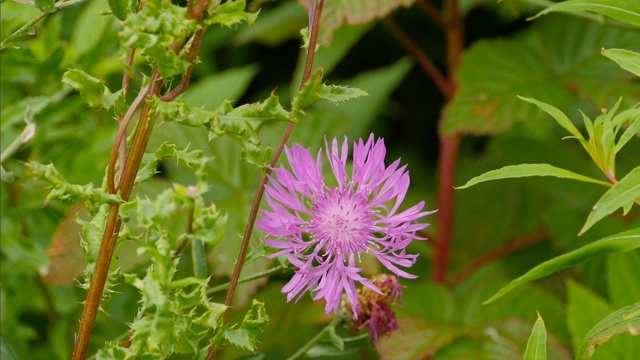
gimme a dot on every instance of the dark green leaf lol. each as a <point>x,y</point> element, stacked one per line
<point>624,320</point>
<point>623,10</point>
<point>119,8</point>
<point>537,344</point>
<point>526,170</point>
<point>621,242</point>
<point>626,191</point>
<point>623,278</point>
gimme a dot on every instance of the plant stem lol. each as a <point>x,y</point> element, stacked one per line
<point>268,272</point>
<point>449,146</point>
<point>314,20</point>
<point>316,339</point>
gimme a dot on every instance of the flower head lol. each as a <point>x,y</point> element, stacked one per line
<point>326,225</point>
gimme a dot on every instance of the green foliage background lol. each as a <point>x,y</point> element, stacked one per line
<point>555,59</point>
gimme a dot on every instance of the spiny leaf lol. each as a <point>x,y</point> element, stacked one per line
<point>628,60</point>
<point>537,344</point>
<point>623,10</point>
<point>626,191</point>
<point>621,242</point>
<point>93,90</point>
<point>253,324</point>
<point>231,13</point>
<point>526,170</point>
<point>63,190</point>
<point>624,320</point>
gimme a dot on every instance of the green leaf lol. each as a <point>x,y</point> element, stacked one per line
<point>537,344</point>
<point>119,8</point>
<point>526,170</point>
<point>309,92</point>
<point>621,242</point>
<point>231,13</point>
<point>622,10</point>
<point>626,191</point>
<point>628,60</point>
<point>624,320</point>
<point>558,115</point>
<point>623,278</point>
<point>339,94</point>
<point>47,6</point>
<point>539,64</point>
<point>7,351</point>
<point>92,90</point>
<point>252,326</point>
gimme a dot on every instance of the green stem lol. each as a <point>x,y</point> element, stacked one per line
<point>316,339</point>
<point>245,279</point>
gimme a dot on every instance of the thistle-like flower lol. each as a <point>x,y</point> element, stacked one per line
<point>327,225</point>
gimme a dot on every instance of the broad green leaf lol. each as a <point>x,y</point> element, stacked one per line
<point>537,344</point>
<point>623,10</point>
<point>557,60</point>
<point>47,6</point>
<point>526,170</point>
<point>628,60</point>
<point>353,12</point>
<point>558,115</point>
<point>88,31</point>
<point>119,8</point>
<point>93,90</point>
<point>621,242</point>
<point>623,278</point>
<point>624,320</point>
<point>584,310</point>
<point>626,191</point>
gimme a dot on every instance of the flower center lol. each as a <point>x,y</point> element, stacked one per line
<point>342,221</point>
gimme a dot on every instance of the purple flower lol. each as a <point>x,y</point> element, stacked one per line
<point>327,224</point>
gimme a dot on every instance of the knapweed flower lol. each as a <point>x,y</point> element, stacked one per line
<point>374,308</point>
<point>327,224</point>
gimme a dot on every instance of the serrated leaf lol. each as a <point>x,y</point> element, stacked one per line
<point>622,10</point>
<point>626,191</point>
<point>624,320</point>
<point>628,60</point>
<point>92,90</point>
<point>231,13</point>
<point>557,60</point>
<point>252,326</point>
<point>309,92</point>
<point>621,242</point>
<point>354,12</point>
<point>119,8</point>
<point>537,344</point>
<point>527,170</point>
<point>339,94</point>
<point>47,6</point>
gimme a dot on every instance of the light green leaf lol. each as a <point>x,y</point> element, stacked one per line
<point>231,13</point>
<point>93,90</point>
<point>558,115</point>
<point>119,8</point>
<point>47,6</point>
<point>622,10</point>
<point>339,94</point>
<point>526,170</point>
<point>626,191</point>
<point>624,320</point>
<point>537,344</point>
<point>628,60</point>
<point>632,116</point>
<point>252,326</point>
<point>309,92</point>
<point>621,242</point>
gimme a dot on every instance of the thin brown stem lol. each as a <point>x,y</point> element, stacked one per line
<point>507,248</point>
<point>314,20</point>
<point>442,83</point>
<point>433,12</point>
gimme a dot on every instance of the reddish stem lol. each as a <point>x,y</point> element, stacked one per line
<point>507,248</point>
